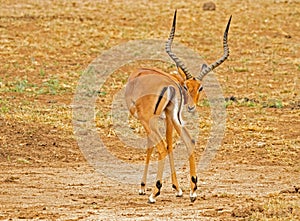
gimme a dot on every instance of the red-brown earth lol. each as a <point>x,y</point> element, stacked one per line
<point>47,45</point>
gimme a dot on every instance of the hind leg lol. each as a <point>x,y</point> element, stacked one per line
<point>161,162</point>
<point>162,153</point>
<point>169,136</point>
<point>150,148</point>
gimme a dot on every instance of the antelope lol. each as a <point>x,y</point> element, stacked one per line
<point>151,93</point>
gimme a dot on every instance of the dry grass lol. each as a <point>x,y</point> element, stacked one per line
<point>46,45</point>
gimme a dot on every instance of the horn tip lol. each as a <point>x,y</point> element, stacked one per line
<point>228,24</point>
<point>229,21</point>
<point>174,19</point>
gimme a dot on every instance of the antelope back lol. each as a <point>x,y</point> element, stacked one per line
<point>151,91</point>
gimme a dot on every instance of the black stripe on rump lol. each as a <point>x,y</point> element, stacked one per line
<point>172,93</point>
<point>179,108</point>
<point>159,98</point>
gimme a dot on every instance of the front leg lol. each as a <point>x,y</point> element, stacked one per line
<point>194,178</point>
<point>190,145</point>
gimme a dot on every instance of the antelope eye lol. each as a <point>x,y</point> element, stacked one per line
<point>201,88</point>
<point>185,87</point>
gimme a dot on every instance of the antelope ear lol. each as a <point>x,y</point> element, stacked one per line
<point>181,73</point>
<point>203,67</point>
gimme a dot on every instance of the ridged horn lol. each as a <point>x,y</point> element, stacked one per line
<point>177,61</point>
<point>209,68</point>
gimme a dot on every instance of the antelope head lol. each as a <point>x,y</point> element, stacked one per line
<point>192,85</point>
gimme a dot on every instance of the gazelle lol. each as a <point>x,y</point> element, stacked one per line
<point>151,93</point>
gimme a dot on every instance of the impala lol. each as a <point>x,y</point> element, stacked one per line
<point>151,93</point>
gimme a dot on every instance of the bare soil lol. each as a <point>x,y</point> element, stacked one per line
<point>46,46</point>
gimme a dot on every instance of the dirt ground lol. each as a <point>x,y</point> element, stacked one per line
<point>46,46</point>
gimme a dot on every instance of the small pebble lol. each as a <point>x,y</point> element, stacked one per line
<point>209,6</point>
<point>261,144</point>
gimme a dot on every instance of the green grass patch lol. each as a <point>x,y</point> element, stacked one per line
<point>240,69</point>
<point>273,104</point>
<point>204,103</point>
<point>4,106</point>
<point>51,86</point>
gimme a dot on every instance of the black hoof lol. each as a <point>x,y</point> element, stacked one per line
<point>142,192</point>
<point>193,199</point>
